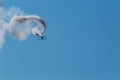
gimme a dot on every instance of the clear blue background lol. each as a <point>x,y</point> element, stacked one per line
<point>83,42</point>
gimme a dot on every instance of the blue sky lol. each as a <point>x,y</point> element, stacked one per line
<point>83,42</point>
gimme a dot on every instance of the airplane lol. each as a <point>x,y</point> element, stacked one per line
<point>36,32</point>
<point>41,37</point>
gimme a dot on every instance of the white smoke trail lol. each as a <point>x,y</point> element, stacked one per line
<point>18,29</point>
<point>3,28</point>
<point>21,26</point>
<point>18,24</point>
<point>36,30</point>
<point>5,17</point>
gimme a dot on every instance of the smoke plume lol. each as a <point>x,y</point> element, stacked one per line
<point>18,24</point>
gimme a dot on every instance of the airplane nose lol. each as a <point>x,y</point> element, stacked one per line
<point>42,37</point>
